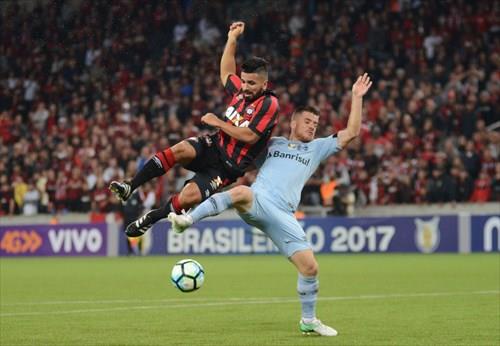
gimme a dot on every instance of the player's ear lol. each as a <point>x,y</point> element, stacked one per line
<point>265,84</point>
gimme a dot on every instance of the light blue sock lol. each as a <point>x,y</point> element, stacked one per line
<point>307,287</point>
<point>214,205</point>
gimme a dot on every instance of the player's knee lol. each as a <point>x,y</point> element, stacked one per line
<point>310,268</point>
<point>240,193</point>
<point>189,196</point>
<point>183,152</point>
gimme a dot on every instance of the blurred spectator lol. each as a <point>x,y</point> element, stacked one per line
<point>132,210</point>
<point>101,197</point>
<point>20,189</point>
<point>112,172</point>
<point>31,200</point>
<point>482,189</point>
<point>471,160</point>
<point>495,185</point>
<point>7,204</point>
<point>441,187</point>
<point>463,186</point>
<point>327,190</point>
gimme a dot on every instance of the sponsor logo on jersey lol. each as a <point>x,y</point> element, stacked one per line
<point>279,154</point>
<point>208,140</point>
<point>236,118</point>
<point>215,183</point>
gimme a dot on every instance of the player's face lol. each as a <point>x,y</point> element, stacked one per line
<point>304,126</point>
<point>252,85</point>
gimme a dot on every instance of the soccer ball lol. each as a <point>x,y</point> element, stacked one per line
<point>187,275</point>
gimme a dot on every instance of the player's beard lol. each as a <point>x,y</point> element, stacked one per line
<point>253,97</point>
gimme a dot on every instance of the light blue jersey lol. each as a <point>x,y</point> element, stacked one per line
<point>276,191</point>
<point>288,166</point>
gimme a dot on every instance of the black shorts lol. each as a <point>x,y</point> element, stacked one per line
<point>212,174</point>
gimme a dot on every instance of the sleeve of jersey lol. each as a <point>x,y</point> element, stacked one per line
<point>261,158</point>
<point>266,117</point>
<point>327,146</point>
<point>233,84</point>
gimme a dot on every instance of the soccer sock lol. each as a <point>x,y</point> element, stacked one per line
<point>155,167</point>
<point>173,205</point>
<point>307,287</point>
<point>215,205</point>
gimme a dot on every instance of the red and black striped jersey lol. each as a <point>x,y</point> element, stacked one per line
<point>260,115</point>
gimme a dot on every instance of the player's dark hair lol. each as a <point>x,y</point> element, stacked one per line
<point>255,65</point>
<point>301,109</point>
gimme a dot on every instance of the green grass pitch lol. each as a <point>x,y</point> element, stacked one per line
<point>250,300</point>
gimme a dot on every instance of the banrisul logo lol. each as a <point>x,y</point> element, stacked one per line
<point>279,154</point>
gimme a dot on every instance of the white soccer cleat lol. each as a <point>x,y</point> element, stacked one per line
<point>180,222</point>
<point>316,327</point>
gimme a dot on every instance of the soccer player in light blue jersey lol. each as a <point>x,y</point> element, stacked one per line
<point>269,204</point>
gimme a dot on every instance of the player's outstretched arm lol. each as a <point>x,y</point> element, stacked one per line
<point>228,61</point>
<point>359,89</point>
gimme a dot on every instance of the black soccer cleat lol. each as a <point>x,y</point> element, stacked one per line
<point>139,226</point>
<point>122,191</point>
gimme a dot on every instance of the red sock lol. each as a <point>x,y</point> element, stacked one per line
<point>167,159</point>
<point>176,204</point>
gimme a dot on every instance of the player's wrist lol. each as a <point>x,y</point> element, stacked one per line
<point>218,123</point>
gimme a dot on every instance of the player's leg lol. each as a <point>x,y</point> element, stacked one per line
<point>289,236</point>
<point>188,197</point>
<point>183,153</point>
<point>239,197</point>
<point>307,287</point>
<point>204,184</point>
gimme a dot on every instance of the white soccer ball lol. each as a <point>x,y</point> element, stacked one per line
<point>187,275</point>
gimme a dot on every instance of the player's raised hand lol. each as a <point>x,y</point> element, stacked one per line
<point>210,119</point>
<point>363,83</point>
<point>236,29</point>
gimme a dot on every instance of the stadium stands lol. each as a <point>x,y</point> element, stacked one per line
<point>88,93</point>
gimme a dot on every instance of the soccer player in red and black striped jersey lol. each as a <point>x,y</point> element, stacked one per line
<point>219,159</point>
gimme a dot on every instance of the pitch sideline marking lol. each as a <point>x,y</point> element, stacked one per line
<point>245,301</point>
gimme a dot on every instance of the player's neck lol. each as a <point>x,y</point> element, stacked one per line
<point>293,138</point>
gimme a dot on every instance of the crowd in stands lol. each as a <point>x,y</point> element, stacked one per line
<point>89,92</point>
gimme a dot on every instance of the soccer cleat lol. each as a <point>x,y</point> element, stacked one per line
<point>316,327</point>
<point>122,191</point>
<point>180,222</point>
<point>139,226</point>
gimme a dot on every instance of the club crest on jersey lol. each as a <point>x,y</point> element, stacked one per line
<point>427,234</point>
<point>299,147</point>
<point>236,118</point>
<point>208,140</point>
